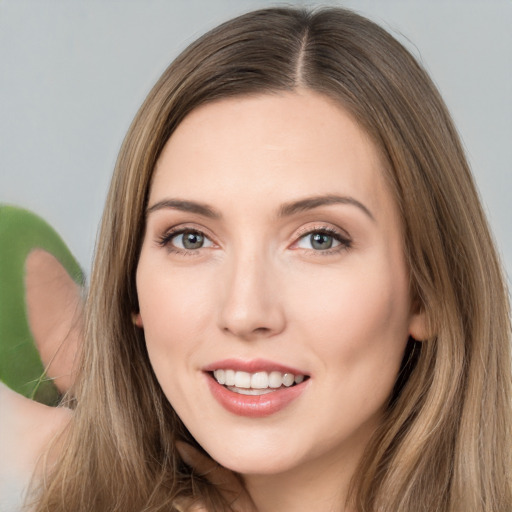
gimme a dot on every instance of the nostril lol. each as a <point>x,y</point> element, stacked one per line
<point>261,330</point>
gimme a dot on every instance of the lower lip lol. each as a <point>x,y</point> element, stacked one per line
<point>255,406</point>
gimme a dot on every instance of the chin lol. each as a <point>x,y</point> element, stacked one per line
<point>261,463</point>
<point>258,454</point>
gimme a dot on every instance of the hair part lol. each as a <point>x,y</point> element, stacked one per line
<point>444,441</point>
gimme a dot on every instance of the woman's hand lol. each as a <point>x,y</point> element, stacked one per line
<point>227,482</point>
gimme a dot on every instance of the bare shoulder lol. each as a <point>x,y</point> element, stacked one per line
<point>26,429</point>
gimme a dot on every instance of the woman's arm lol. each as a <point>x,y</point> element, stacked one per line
<point>26,429</point>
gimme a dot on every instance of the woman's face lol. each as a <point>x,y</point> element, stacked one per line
<point>273,291</point>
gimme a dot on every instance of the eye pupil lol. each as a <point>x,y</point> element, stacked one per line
<point>192,240</point>
<point>321,241</point>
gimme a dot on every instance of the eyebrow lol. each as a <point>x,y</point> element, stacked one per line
<point>286,210</point>
<point>185,206</point>
<point>310,203</point>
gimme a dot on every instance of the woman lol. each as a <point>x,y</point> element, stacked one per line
<point>295,277</point>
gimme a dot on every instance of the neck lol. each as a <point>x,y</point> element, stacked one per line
<point>321,485</point>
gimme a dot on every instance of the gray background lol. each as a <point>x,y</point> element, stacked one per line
<point>73,73</point>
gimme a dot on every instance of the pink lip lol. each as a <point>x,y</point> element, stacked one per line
<point>252,366</point>
<point>253,406</point>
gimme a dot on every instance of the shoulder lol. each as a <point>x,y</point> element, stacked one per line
<point>26,429</point>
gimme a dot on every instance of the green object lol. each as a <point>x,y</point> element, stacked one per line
<point>20,365</point>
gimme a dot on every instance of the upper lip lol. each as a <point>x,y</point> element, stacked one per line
<point>252,366</point>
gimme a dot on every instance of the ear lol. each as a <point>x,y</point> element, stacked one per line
<point>418,326</point>
<point>137,320</point>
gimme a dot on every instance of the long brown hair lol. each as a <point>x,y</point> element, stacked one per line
<point>444,443</point>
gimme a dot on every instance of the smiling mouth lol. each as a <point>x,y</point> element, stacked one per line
<point>258,383</point>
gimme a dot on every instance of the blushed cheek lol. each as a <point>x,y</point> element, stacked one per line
<point>360,316</point>
<point>169,344</point>
<point>176,309</point>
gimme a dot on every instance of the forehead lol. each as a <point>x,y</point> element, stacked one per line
<point>276,147</point>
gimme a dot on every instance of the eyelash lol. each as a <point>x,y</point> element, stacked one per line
<point>166,238</point>
<point>344,241</point>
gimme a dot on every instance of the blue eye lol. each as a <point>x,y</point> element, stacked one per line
<point>322,240</point>
<point>188,240</point>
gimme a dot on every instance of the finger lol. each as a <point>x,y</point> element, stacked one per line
<point>194,458</point>
<point>207,467</point>
<point>226,481</point>
<point>188,505</point>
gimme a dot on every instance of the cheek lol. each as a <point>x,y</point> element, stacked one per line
<point>175,307</point>
<point>168,298</point>
<point>358,315</point>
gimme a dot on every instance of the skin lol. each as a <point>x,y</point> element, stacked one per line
<point>258,288</point>
<point>28,428</point>
<point>54,309</point>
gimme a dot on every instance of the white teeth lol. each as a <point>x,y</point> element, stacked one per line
<point>230,377</point>
<point>259,380</point>
<point>299,379</point>
<point>255,382</point>
<point>275,379</point>
<point>220,375</point>
<point>242,380</point>
<point>242,391</point>
<point>288,379</point>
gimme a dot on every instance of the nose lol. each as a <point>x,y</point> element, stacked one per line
<point>251,305</point>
